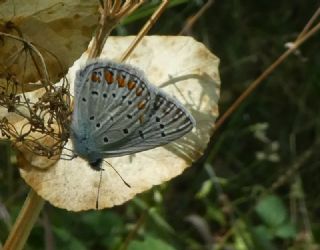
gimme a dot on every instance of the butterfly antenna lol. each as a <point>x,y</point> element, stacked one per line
<point>97,201</point>
<point>126,183</point>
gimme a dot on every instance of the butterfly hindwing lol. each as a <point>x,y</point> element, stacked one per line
<point>167,121</point>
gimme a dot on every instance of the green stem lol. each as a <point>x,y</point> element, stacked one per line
<point>25,222</point>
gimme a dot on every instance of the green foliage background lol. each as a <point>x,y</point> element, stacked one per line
<point>257,187</point>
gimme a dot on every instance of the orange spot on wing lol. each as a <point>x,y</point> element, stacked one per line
<point>139,91</point>
<point>131,85</point>
<point>121,82</point>
<point>94,77</point>
<point>141,105</point>
<point>141,119</point>
<point>108,76</point>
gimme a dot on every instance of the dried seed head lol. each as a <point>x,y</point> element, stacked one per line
<point>41,119</point>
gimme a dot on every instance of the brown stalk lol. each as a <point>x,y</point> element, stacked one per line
<point>25,222</point>
<point>155,16</point>
<point>193,19</point>
<point>111,12</point>
<point>134,231</point>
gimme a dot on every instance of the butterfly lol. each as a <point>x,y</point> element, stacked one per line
<point>118,112</point>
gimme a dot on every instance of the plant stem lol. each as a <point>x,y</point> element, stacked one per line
<point>24,222</point>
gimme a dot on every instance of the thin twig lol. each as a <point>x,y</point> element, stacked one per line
<point>264,75</point>
<point>298,163</point>
<point>48,233</point>
<point>45,71</point>
<point>145,29</point>
<point>133,232</point>
<point>111,12</point>
<point>310,23</point>
<point>194,18</point>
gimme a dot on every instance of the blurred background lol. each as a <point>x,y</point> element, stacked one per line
<point>256,187</point>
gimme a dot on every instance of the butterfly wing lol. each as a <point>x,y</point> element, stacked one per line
<point>167,121</point>
<point>118,112</point>
<point>111,100</point>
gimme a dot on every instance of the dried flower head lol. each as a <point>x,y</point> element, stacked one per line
<point>35,125</point>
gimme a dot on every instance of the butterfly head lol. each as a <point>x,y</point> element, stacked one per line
<point>96,165</point>
<point>84,150</point>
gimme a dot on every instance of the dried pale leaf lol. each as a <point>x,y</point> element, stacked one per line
<point>66,28</point>
<point>185,69</point>
<point>48,11</point>
<point>11,116</point>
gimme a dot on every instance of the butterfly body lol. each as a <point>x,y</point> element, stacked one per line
<point>118,112</point>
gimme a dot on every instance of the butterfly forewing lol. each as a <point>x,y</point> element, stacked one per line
<point>110,102</point>
<point>118,112</point>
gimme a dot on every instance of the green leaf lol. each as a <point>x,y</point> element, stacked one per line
<point>148,9</point>
<point>204,190</point>
<point>150,243</point>
<point>286,231</point>
<point>67,240</point>
<point>160,221</point>
<point>272,211</point>
<point>216,214</point>
<point>103,222</point>
<point>263,237</point>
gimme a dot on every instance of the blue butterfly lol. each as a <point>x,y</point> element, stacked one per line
<point>119,112</point>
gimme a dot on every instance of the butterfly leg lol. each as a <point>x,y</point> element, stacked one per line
<point>148,25</point>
